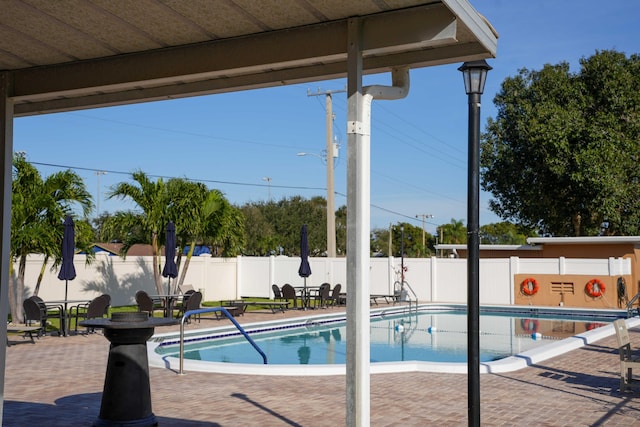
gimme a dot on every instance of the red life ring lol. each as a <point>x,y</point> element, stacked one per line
<point>530,325</point>
<point>529,286</point>
<point>595,288</point>
<point>592,326</point>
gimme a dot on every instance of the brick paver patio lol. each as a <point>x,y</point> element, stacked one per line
<point>58,382</point>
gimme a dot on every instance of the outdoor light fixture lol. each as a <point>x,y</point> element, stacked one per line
<point>475,75</point>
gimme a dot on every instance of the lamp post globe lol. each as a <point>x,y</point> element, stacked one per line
<point>474,74</point>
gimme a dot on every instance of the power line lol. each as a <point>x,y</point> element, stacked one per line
<point>115,172</point>
<point>248,184</point>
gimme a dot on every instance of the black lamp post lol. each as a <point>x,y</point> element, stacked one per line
<point>474,74</point>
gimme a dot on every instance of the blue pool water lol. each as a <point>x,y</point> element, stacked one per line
<point>431,336</point>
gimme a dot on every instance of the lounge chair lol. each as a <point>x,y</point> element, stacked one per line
<point>183,289</point>
<point>627,361</point>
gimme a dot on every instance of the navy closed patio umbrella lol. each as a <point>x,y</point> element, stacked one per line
<point>170,270</point>
<point>305,269</point>
<point>68,270</point>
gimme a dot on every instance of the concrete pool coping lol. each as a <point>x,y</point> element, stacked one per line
<point>508,364</point>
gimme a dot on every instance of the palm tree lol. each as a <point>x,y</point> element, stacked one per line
<point>147,226</point>
<point>38,209</point>
<point>455,232</point>
<point>203,216</point>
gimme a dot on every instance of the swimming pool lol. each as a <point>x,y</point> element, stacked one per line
<point>434,339</point>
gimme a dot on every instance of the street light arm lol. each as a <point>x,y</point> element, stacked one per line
<point>311,154</point>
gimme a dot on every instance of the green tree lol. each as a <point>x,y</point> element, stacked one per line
<point>285,218</point>
<point>412,241</point>
<point>453,233</point>
<point>147,226</point>
<point>38,210</point>
<point>341,231</point>
<point>504,233</point>
<point>201,217</point>
<point>260,235</point>
<point>561,156</point>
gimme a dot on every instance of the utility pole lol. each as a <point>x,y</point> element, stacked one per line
<point>268,179</point>
<point>423,216</point>
<point>331,154</point>
<point>98,173</point>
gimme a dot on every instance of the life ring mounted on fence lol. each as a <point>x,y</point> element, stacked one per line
<point>529,286</point>
<point>595,288</point>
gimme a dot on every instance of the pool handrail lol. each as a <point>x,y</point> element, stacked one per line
<point>229,316</point>
<point>406,285</point>
<point>630,305</point>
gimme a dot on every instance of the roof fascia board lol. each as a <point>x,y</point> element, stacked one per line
<point>584,240</point>
<point>462,247</point>
<point>378,64</point>
<point>477,24</point>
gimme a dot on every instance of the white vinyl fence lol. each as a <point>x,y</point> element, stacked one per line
<point>433,279</point>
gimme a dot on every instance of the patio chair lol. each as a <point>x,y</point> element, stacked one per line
<point>334,298</point>
<point>108,306</point>
<point>145,303</point>
<point>289,293</point>
<point>277,293</point>
<point>192,303</point>
<point>185,300</point>
<point>95,309</point>
<point>627,361</point>
<point>323,295</point>
<point>36,311</point>
<point>34,314</point>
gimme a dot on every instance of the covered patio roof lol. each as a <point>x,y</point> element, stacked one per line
<point>75,54</point>
<point>69,55</point>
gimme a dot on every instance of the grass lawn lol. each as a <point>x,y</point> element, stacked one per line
<point>53,324</point>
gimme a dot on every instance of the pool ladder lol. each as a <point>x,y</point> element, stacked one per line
<point>409,297</point>
<point>630,305</point>
<point>229,316</point>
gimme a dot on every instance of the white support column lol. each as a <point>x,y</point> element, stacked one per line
<point>6,159</point>
<point>359,220</point>
<point>358,225</point>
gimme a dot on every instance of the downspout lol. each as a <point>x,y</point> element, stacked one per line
<point>358,252</point>
<point>399,89</point>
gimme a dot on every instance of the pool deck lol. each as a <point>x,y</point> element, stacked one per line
<point>58,382</point>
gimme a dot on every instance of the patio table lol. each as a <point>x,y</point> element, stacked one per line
<point>64,304</point>
<point>306,292</point>
<point>168,300</point>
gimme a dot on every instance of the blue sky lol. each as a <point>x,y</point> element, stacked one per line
<point>419,144</point>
